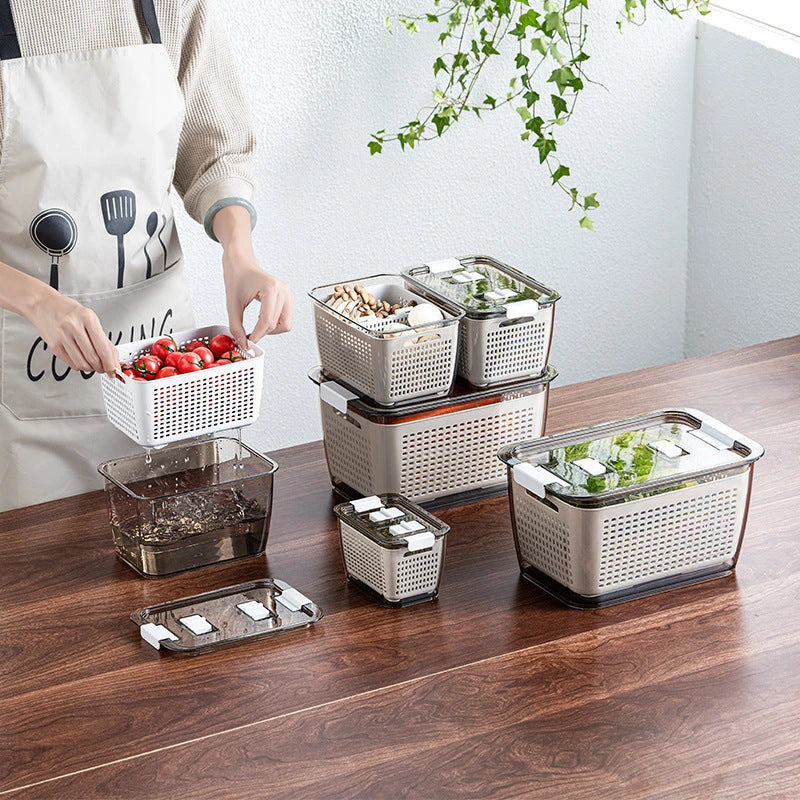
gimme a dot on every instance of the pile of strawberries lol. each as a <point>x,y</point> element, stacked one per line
<point>165,358</point>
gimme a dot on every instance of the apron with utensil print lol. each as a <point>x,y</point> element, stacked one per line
<point>88,156</point>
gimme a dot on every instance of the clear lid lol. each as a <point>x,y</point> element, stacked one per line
<point>392,521</point>
<point>258,608</point>
<point>462,397</point>
<point>594,465</point>
<point>482,286</point>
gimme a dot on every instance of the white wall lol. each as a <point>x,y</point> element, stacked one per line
<point>744,244</point>
<point>324,76</point>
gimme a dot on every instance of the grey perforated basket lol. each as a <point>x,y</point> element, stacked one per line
<point>501,338</point>
<point>430,450</point>
<point>630,508</point>
<point>388,367</point>
<point>398,566</point>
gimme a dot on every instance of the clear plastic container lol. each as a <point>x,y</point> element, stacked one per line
<point>189,505</point>
<point>441,450</point>
<point>392,548</point>
<point>507,328</point>
<point>387,366</point>
<point>629,508</point>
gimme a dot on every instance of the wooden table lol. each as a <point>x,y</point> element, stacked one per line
<point>494,690</point>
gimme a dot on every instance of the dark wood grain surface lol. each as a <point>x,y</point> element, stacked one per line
<point>494,690</point>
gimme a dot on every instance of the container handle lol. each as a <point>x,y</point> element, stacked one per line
<point>522,308</point>
<point>336,395</point>
<point>535,478</point>
<point>420,541</point>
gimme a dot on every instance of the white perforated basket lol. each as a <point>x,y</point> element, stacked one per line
<point>158,412</point>
<point>434,453</point>
<point>387,367</point>
<point>657,535</point>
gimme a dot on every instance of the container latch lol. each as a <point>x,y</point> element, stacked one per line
<point>716,434</point>
<point>535,478</point>
<point>364,504</point>
<point>336,395</point>
<point>522,308</point>
<point>443,265</point>
<point>292,599</point>
<point>420,541</point>
<point>155,634</point>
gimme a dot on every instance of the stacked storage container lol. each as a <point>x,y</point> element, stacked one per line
<point>395,418</point>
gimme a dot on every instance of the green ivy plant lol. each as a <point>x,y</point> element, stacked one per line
<point>545,36</point>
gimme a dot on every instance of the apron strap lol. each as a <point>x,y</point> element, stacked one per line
<point>150,19</point>
<point>9,44</point>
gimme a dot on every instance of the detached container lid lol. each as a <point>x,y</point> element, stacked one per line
<point>462,397</point>
<point>603,464</point>
<point>482,286</point>
<point>392,521</point>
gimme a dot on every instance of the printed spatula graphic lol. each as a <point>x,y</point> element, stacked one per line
<point>119,214</point>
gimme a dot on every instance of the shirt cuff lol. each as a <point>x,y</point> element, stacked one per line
<point>208,220</point>
<point>199,203</point>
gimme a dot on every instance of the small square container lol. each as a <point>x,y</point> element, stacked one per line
<point>189,505</point>
<point>435,451</point>
<point>387,366</point>
<point>630,508</point>
<point>158,412</point>
<point>392,548</point>
<point>507,328</point>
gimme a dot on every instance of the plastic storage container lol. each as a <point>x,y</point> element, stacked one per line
<point>191,505</point>
<point>388,367</point>
<point>158,412</point>
<point>392,548</point>
<point>192,624</point>
<point>630,508</point>
<point>435,450</point>
<point>508,324</point>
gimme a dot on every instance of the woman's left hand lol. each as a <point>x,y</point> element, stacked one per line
<point>246,281</point>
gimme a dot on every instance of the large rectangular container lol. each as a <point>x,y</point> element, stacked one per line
<point>630,508</point>
<point>392,548</point>
<point>387,366</point>
<point>189,505</point>
<point>437,450</point>
<point>507,328</point>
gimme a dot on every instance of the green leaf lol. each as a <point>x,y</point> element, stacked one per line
<point>539,43</point>
<point>587,223</point>
<point>562,78</point>
<point>575,3</point>
<point>374,147</point>
<point>504,7</point>
<point>590,201</point>
<point>559,104</point>
<point>560,172</point>
<point>489,101</point>
<point>442,122</point>
<point>521,60</point>
<point>432,17</point>
<point>531,98</point>
<point>525,136</point>
<point>545,146</point>
<point>438,66</point>
<point>523,113</point>
<point>387,23</point>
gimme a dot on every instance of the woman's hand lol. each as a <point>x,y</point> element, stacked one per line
<point>71,331</point>
<point>74,334</point>
<point>245,281</point>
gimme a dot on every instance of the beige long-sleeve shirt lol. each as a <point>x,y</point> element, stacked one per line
<point>217,142</point>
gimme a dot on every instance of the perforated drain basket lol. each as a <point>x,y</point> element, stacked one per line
<point>507,329</point>
<point>392,548</point>
<point>158,412</point>
<point>630,508</point>
<point>388,367</point>
<point>432,451</point>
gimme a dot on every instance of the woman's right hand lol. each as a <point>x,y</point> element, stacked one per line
<point>74,334</point>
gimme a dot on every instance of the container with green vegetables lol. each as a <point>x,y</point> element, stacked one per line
<point>630,508</point>
<point>507,327</point>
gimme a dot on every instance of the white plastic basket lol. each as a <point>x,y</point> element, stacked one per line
<point>388,368</point>
<point>158,412</point>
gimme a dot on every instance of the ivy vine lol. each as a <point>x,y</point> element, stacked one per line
<point>546,36</point>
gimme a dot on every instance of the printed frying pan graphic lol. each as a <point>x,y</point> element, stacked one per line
<point>55,232</point>
<point>119,214</point>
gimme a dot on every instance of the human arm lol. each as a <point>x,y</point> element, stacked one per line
<point>71,331</point>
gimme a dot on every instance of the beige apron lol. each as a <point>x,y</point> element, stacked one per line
<point>88,157</point>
